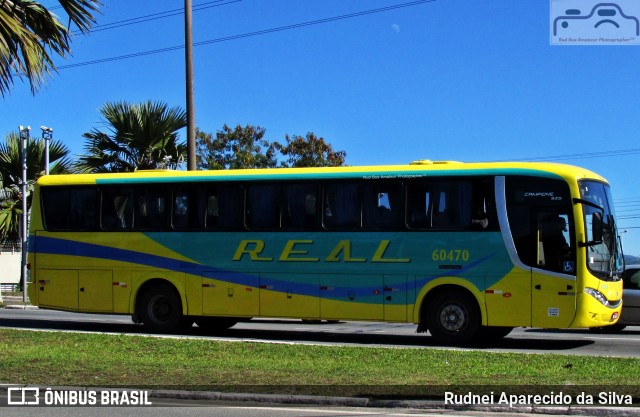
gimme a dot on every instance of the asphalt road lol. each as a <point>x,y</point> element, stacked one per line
<point>572,342</point>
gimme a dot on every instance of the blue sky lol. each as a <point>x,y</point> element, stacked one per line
<point>443,80</point>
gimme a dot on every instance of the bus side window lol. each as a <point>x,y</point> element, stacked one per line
<point>419,198</point>
<point>453,207</point>
<point>383,206</point>
<point>70,208</point>
<point>83,213</point>
<point>342,206</point>
<point>152,208</point>
<point>554,241</point>
<point>299,209</point>
<point>186,208</point>
<point>263,208</point>
<point>484,215</point>
<point>534,209</point>
<point>181,209</point>
<point>56,208</point>
<point>117,208</point>
<point>223,206</point>
<point>439,213</point>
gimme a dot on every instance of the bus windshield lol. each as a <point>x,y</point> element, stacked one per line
<point>604,254</point>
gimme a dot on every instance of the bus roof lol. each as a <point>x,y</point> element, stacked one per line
<point>417,169</point>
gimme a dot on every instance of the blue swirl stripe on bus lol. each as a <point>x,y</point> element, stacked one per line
<point>56,246</point>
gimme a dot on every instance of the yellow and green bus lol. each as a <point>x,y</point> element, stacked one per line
<point>467,251</point>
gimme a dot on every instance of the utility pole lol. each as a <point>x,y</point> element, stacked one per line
<point>191,116</point>
<point>24,139</point>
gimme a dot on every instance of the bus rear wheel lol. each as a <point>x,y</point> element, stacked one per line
<point>453,317</point>
<point>160,309</point>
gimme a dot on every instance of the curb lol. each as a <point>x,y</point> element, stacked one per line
<point>16,303</point>
<point>260,398</point>
<point>20,307</point>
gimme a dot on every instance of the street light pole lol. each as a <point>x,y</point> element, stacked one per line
<point>24,139</point>
<point>47,135</point>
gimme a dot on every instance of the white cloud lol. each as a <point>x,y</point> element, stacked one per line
<point>396,28</point>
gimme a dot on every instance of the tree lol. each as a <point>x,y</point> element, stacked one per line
<point>11,178</point>
<point>241,147</point>
<point>141,136</point>
<point>29,32</point>
<point>245,147</point>
<point>309,151</point>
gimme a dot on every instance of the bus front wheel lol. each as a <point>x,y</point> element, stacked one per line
<point>453,317</point>
<point>160,309</point>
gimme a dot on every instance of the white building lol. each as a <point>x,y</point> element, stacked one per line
<point>10,258</point>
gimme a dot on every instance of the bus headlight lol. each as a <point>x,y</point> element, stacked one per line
<point>597,295</point>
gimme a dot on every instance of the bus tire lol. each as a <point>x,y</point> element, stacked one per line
<point>160,309</point>
<point>453,317</point>
<point>215,324</point>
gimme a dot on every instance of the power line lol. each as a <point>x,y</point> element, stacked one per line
<point>619,152</point>
<point>157,16</point>
<point>249,34</point>
<point>627,201</point>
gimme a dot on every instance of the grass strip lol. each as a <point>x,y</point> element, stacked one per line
<point>76,359</point>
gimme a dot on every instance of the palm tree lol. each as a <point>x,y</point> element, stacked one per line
<point>11,178</point>
<point>141,136</point>
<point>29,32</point>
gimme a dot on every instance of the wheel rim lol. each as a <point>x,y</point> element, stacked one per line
<point>160,309</point>
<point>453,317</point>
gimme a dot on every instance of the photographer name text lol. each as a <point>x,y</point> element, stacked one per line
<point>608,398</point>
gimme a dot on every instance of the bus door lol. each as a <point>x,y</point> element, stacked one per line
<point>553,279</point>
<point>540,222</point>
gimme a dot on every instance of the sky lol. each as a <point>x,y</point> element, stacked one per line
<point>442,80</point>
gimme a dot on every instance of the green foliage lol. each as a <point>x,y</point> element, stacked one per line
<point>11,177</point>
<point>28,31</point>
<point>11,159</point>
<point>10,216</point>
<point>246,147</point>
<point>241,147</point>
<point>310,151</point>
<point>140,136</point>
